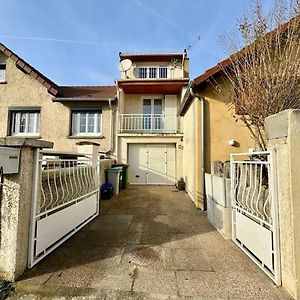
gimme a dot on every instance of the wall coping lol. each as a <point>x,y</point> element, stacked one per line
<point>277,126</point>
<point>24,142</point>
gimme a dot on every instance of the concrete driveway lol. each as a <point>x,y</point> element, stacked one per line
<point>148,243</point>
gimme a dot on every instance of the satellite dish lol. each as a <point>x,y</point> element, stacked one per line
<point>125,65</point>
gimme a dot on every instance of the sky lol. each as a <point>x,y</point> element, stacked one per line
<point>77,42</point>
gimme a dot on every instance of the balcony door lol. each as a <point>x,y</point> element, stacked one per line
<point>152,114</point>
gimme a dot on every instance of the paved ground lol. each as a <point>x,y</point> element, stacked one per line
<point>149,243</point>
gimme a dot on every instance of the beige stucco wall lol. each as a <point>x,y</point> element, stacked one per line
<point>220,127</point>
<point>133,103</point>
<point>191,152</point>
<point>24,90</point>
<point>180,71</point>
<point>282,132</point>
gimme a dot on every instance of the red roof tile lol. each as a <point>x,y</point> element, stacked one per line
<point>28,69</point>
<point>87,92</point>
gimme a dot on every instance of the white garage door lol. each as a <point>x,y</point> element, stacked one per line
<point>152,164</point>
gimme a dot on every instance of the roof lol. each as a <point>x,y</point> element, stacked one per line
<point>86,93</point>
<point>143,57</point>
<point>28,69</point>
<point>200,82</point>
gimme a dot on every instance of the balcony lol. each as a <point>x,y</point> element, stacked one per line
<point>152,123</point>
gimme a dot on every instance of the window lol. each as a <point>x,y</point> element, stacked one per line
<point>142,73</point>
<point>153,72</point>
<point>25,122</point>
<point>163,72</point>
<point>86,122</point>
<point>2,72</point>
<point>153,114</point>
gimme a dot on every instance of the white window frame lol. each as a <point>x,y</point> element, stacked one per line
<point>76,117</point>
<point>3,73</point>
<point>16,123</point>
<point>157,72</point>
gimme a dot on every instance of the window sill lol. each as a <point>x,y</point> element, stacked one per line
<point>25,136</point>
<point>86,137</point>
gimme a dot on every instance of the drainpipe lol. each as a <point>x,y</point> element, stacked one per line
<point>110,128</point>
<point>202,106</point>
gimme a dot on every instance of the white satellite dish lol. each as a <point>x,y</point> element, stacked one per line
<point>125,65</point>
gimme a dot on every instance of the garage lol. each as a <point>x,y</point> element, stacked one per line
<point>152,164</point>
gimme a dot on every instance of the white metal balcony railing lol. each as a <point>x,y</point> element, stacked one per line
<point>148,123</point>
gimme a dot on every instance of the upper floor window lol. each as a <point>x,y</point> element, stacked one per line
<point>142,73</point>
<point>86,122</point>
<point>2,72</point>
<point>152,72</point>
<point>163,72</point>
<point>25,122</point>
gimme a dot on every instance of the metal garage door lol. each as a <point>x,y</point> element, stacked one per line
<point>152,164</point>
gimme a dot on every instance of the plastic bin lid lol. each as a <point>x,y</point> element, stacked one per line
<point>114,170</point>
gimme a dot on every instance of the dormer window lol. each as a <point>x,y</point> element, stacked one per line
<point>2,72</point>
<point>152,72</point>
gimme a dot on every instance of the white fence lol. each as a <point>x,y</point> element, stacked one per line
<point>65,198</point>
<point>219,203</point>
<point>254,209</point>
<point>148,123</point>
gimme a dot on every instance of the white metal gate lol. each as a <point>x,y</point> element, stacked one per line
<point>255,209</point>
<point>65,198</point>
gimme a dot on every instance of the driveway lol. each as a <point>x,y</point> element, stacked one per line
<point>148,243</point>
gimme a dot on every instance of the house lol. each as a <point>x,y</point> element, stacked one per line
<point>211,133</point>
<point>150,133</point>
<point>34,106</point>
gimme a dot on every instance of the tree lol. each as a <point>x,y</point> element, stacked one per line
<point>264,75</point>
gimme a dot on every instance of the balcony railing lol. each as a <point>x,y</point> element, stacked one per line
<point>144,123</point>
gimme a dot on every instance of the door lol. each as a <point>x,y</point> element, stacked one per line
<point>152,164</point>
<point>138,163</point>
<point>152,114</point>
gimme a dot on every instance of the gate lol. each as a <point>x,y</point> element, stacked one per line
<point>65,198</point>
<point>255,210</point>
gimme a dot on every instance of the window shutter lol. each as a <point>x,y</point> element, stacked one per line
<point>171,113</point>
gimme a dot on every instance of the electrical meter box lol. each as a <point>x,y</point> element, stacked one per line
<point>9,160</point>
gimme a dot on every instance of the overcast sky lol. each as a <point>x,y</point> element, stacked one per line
<point>76,42</point>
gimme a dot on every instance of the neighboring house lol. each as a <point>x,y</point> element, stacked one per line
<point>211,133</point>
<point>150,134</point>
<point>31,105</point>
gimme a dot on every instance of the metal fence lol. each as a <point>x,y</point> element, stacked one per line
<point>65,198</point>
<point>148,123</point>
<point>255,209</point>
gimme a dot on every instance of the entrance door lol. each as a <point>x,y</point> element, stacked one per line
<point>152,164</point>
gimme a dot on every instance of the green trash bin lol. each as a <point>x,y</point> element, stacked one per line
<point>124,174</point>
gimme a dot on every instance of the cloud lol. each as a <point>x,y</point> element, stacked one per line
<point>33,38</point>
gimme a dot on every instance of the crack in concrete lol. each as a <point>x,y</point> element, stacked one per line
<point>133,276</point>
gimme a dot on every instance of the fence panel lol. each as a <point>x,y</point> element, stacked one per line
<point>65,198</point>
<point>255,209</point>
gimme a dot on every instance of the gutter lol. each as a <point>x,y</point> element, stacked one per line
<point>201,98</point>
<point>67,99</point>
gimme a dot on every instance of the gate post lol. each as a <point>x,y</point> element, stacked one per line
<point>283,135</point>
<point>16,207</point>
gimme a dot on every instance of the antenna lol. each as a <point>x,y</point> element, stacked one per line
<point>193,43</point>
<point>125,65</point>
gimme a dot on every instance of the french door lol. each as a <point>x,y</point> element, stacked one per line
<point>152,114</point>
